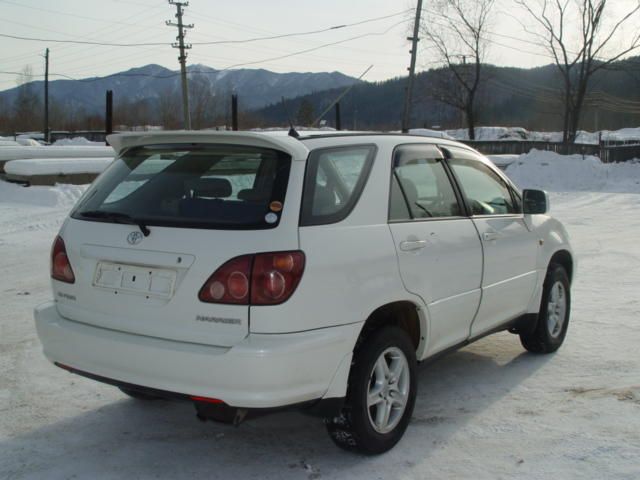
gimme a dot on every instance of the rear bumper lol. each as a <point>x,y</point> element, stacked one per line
<point>262,371</point>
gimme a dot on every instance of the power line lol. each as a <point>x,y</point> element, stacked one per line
<point>599,100</point>
<point>94,35</point>
<point>215,42</point>
<point>215,72</point>
<point>75,15</point>
<point>301,34</point>
<point>510,37</point>
<point>308,50</point>
<point>82,42</point>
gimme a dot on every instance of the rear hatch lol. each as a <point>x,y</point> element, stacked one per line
<point>162,219</point>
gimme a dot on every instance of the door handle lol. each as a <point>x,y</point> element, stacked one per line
<point>490,235</point>
<point>412,245</point>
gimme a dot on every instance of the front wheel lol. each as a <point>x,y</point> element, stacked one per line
<point>553,319</point>
<point>381,394</point>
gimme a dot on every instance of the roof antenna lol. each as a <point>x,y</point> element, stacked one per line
<point>347,90</point>
<point>292,131</point>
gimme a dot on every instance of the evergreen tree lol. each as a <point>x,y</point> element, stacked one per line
<point>305,115</point>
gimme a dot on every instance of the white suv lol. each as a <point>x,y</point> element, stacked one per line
<point>247,272</point>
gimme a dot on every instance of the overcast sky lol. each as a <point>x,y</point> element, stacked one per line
<point>142,21</point>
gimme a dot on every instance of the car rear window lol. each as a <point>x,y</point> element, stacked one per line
<point>191,186</point>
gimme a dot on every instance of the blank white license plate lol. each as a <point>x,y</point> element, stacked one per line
<point>149,281</point>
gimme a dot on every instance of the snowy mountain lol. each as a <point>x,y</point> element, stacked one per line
<point>256,88</point>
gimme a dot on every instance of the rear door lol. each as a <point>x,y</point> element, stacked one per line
<point>438,248</point>
<point>203,205</point>
<point>510,248</point>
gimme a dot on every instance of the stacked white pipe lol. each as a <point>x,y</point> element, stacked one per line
<point>28,161</point>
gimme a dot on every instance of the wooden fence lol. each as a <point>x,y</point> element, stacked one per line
<point>619,153</point>
<point>519,147</point>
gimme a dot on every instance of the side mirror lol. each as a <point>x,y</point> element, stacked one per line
<point>535,202</point>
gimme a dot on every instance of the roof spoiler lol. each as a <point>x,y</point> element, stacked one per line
<point>123,141</point>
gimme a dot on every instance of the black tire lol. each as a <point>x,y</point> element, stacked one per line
<point>543,339</point>
<point>354,430</point>
<point>137,394</point>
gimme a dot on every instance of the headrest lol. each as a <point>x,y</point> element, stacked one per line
<point>251,195</point>
<point>211,188</point>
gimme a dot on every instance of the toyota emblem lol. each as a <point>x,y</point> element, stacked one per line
<point>134,238</point>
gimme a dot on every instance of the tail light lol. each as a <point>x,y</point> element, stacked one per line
<point>260,279</point>
<point>60,266</point>
<point>275,276</point>
<point>230,283</point>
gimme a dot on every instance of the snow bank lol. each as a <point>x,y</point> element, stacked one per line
<point>14,153</point>
<point>491,133</point>
<point>80,141</point>
<point>8,143</point>
<point>63,196</point>
<point>426,132</point>
<point>565,173</point>
<point>503,161</point>
<point>519,133</point>
<point>28,142</point>
<point>56,166</point>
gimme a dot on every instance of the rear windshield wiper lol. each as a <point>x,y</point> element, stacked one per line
<point>118,217</point>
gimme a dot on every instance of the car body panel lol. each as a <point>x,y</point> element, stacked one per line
<point>510,270</point>
<point>446,273</point>
<point>194,254</point>
<point>301,349</point>
<point>261,371</point>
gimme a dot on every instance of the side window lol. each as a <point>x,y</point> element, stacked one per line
<point>487,193</point>
<point>398,209</point>
<point>420,187</point>
<point>333,183</point>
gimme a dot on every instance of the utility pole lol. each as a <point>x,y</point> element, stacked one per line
<point>182,58</point>
<point>406,118</point>
<point>46,96</point>
<point>108,115</point>
<point>234,112</point>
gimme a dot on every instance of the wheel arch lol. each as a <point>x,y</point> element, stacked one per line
<point>565,259</point>
<point>406,314</point>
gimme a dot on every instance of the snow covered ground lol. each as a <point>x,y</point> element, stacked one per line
<point>489,411</point>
